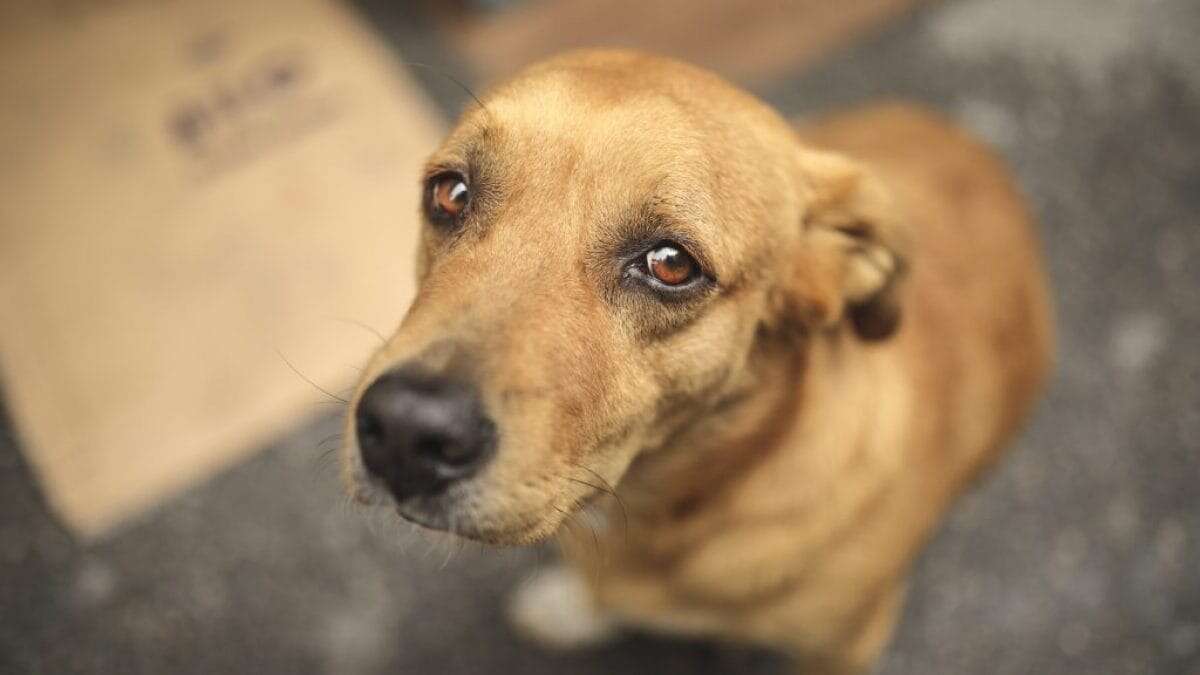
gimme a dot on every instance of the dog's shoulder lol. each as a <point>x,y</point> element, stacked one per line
<point>977,297</point>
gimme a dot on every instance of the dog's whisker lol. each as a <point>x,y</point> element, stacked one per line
<point>453,79</point>
<point>565,514</point>
<point>363,325</point>
<point>304,377</point>
<point>321,444</point>
<point>323,460</point>
<point>326,459</point>
<point>595,541</point>
<point>373,523</point>
<point>571,516</point>
<point>346,505</point>
<point>608,488</point>
<point>409,533</point>
<point>451,549</point>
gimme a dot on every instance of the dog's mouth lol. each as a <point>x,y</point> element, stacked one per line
<point>506,507</point>
<point>469,528</point>
<point>450,515</point>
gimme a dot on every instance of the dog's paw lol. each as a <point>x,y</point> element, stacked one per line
<point>555,609</point>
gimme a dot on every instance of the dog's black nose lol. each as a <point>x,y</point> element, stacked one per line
<point>418,433</point>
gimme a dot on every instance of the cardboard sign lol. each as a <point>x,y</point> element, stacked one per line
<point>190,190</point>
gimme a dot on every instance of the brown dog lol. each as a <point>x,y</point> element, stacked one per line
<point>789,353</point>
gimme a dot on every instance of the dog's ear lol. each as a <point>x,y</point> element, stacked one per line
<point>852,249</point>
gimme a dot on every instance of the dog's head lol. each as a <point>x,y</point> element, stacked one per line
<point>607,242</point>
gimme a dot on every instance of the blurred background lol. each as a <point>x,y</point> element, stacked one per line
<point>203,204</point>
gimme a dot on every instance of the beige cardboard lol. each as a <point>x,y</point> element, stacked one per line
<point>187,190</point>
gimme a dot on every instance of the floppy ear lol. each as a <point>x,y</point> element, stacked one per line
<point>852,249</point>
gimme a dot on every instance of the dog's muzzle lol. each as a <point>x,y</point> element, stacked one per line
<point>419,433</point>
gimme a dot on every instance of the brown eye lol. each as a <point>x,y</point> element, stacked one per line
<point>450,195</point>
<point>671,265</point>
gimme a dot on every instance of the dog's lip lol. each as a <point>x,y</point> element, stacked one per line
<point>441,522</point>
<point>500,536</point>
<point>434,521</point>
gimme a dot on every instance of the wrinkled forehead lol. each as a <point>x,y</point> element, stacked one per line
<point>567,105</point>
<point>600,155</point>
<point>561,124</point>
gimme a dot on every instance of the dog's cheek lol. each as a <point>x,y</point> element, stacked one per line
<point>693,369</point>
<point>424,256</point>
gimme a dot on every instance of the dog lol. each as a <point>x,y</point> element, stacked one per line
<point>764,360</point>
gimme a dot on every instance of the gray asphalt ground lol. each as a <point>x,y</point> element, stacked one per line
<point>1080,554</point>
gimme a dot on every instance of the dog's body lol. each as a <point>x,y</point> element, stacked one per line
<point>794,523</point>
<point>785,438</point>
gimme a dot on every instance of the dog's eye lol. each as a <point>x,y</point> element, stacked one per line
<point>671,265</point>
<point>448,196</point>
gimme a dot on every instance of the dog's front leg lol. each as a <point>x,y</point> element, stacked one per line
<point>562,608</point>
<point>557,609</point>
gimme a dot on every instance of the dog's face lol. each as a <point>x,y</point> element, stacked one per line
<point>606,243</point>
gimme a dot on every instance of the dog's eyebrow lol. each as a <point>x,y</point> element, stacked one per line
<point>465,151</point>
<point>665,218</point>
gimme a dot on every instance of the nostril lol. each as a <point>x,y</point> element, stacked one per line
<point>443,449</point>
<point>369,429</point>
<point>371,442</point>
<point>429,446</point>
